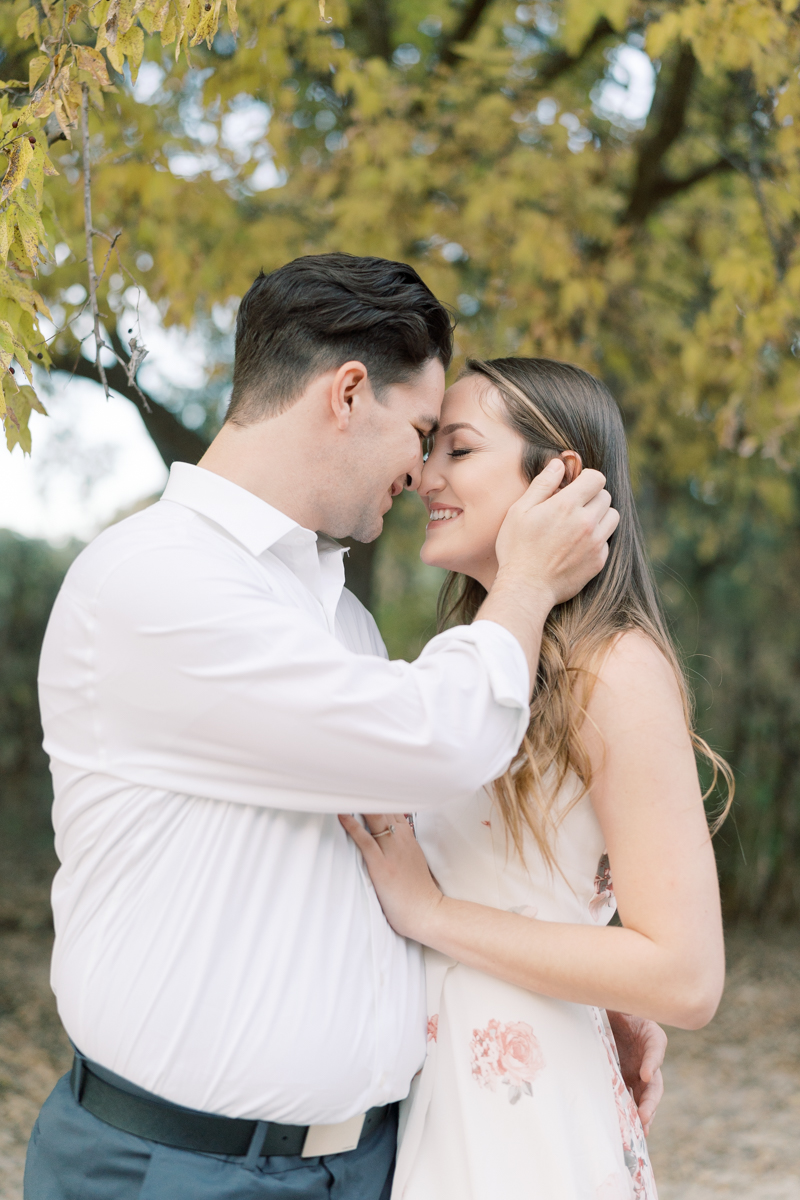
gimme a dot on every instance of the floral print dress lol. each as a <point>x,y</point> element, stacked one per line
<point>521,1096</point>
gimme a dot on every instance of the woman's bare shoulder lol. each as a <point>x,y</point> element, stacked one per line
<point>634,672</point>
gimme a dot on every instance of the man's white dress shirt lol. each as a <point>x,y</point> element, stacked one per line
<point>211,699</point>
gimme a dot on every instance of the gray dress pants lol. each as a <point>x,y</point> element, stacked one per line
<point>74,1156</point>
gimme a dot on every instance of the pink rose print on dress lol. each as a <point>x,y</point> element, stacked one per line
<point>433,1028</point>
<point>509,1054</point>
<point>603,890</point>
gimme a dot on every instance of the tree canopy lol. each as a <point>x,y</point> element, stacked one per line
<point>469,139</point>
<point>496,147</point>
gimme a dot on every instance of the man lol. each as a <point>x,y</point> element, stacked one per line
<point>244,1018</point>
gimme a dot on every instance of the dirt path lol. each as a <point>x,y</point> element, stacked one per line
<point>730,1123</point>
<point>729,1126</point>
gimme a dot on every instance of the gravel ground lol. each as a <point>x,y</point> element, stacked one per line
<point>728,1126</point>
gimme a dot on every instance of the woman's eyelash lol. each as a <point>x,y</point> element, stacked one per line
<point>458,453</point>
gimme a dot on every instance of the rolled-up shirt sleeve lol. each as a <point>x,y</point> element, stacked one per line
<point>211,686</point>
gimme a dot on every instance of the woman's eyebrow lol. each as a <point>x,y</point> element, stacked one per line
<point>459,425</point>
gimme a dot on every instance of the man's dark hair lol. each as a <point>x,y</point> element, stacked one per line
<point>317,312</point>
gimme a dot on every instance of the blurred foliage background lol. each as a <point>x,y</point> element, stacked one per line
<point>613,182</point>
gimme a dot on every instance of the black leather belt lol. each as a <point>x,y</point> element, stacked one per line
<point>187,1129</point>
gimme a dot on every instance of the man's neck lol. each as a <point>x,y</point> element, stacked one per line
<point>264,459</point>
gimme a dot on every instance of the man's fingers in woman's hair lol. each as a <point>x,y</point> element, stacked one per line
<point>608,524</point>
<point>585,488</point>
<point>598,505</point>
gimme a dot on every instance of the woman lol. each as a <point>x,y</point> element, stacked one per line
<point>521,1097</point>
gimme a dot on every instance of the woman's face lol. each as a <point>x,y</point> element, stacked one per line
<point>472,477</point>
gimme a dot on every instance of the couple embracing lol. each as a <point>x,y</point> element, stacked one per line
<point>269,998</point>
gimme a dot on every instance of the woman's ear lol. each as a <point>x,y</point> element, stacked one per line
<point>574,466</point>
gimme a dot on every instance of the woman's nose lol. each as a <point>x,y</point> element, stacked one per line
<point>429,480</point>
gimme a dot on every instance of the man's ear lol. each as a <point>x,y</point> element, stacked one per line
<point>349,386</point>
<point>574,465</point>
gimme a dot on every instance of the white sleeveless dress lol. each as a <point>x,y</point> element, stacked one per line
<point>521,1096</point>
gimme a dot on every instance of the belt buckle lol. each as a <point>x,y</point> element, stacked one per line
<point>333,1139</point>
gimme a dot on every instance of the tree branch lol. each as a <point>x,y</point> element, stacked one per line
<point>666,187</point>
<point>174,442</point>
<point>87,221</point>
<point>378,28</point>
<point>651,183</point>
<point>465,29</point>
<point>359,569</point>
<point>559,61</point>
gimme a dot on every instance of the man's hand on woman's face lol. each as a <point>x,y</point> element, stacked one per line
<point>556,539</point>
<point>641,1045</point>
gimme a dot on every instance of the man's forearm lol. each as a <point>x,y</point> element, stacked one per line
<point>520,610</point>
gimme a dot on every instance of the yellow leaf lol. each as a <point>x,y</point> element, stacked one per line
<point>132,45</point>
<point>31,399</point>
<point>208,24</point>
<point>7,340</point>
<point>169,30</point>
<point>43,107</point>
<point>28,23</point>
<point>2,401</point>
<point>128,45</point>
<point>62,118</point>
<point>72,13</point>
<point>92,61</point>
<point>110,27</point>
<point>21,355</point>
<point>35,68</point>
<point>6,229</point>
<point>129,11</point>
<point>36,173</point>
<point>17,431</point>
<point>21,154</point>
<point>233,16</point>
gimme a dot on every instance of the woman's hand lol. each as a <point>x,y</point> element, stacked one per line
<point>406,889</point>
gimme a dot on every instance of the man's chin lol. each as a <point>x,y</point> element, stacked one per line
<point>367,531</point>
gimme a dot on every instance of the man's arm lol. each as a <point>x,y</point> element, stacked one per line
<point>201,680</point>
<point>196,677</point>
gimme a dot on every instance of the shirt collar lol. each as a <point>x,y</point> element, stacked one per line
<point>253,522</point>
<point>316,561</point>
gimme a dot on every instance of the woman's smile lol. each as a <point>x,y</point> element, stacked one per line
<point>439,513</point>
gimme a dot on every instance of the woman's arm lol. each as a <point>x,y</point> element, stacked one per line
<point>667,962</point>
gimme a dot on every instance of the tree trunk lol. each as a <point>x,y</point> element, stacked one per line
<point>359,570</point>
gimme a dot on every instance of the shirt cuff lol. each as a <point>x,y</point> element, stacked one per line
<point>503,657</point>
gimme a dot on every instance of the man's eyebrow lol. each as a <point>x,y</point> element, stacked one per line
<point>431,423</point>
<point>459,425</point>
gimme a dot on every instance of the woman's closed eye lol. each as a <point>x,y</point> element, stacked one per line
<point>459,453</point>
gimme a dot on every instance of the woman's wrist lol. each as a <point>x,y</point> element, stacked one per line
<point>431,924</point>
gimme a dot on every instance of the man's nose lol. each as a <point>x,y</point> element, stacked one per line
<point>411,480</point>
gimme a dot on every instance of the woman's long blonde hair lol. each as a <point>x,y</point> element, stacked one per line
<point>555,406</point>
